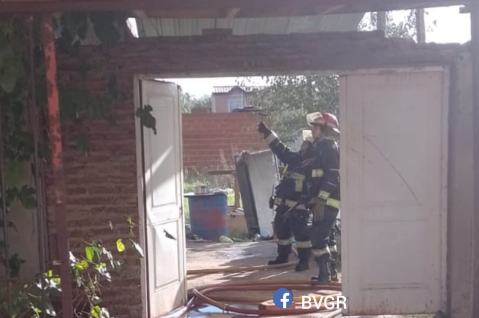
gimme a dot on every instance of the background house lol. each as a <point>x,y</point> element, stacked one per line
<point>227,98</point>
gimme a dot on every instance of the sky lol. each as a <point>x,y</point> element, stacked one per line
<point>450,27</point>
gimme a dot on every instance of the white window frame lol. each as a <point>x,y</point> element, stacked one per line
<point>235,100</point>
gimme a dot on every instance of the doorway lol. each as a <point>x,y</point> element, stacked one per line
<point>393,204</point>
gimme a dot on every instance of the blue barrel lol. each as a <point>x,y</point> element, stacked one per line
<point>209,215</point>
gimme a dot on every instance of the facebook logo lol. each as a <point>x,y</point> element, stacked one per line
<point>283,298</point>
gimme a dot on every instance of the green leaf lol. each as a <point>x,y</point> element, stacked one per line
<point>100,266</point>
<point>51,284</point>
<point>131,225</point>
<point>36,310</point>
<point>89,253</point>
<point>102,270</point>
<point>96,311</point>
<point>120,246</point>
<point>138,248</point>
<point>81,265</point>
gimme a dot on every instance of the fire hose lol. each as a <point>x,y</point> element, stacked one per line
<point>201,294</point>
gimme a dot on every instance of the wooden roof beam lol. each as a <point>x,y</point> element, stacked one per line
<point>217,8</point>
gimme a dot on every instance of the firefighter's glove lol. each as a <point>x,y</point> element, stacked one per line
<point>263,129</point>
<point>317,207</point>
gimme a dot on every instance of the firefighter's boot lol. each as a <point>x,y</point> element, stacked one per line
<point>303,255</point>
<point>324,274</point>
<point>334,263</point>
<point>283,255</point>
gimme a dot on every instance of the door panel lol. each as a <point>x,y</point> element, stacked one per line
<point>393,191</point>
<point>166,277</point>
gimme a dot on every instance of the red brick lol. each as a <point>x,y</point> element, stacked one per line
<point>214,139</point>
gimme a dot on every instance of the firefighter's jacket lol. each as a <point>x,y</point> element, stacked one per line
<point>313,172</point>
<point>326,187</point>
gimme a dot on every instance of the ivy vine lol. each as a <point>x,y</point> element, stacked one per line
<point>76,105</point>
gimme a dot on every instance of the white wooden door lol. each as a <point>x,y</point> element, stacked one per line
<point>393,191</point>
<point>162,191</point>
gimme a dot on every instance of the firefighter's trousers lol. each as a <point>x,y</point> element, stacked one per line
<point>321,232</point>
<point>295,224</point>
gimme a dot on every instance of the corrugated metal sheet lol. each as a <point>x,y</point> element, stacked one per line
<point>247,26</point>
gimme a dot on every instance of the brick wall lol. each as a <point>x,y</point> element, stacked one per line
<point>102,187</point>
<point>211,141</point>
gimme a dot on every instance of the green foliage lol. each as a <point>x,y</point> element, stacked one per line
<point>11,66</point>
<point>73,27</point>
<point>185,102</point>
<point>76,102</point>
<point>399,24</point>
<point>16,137</point>
<point>287,100</point>
<point>189,102</point>
<point>89,273</point>
<point>120,246</point>
<point>26,300</point>
<point>76,105</point>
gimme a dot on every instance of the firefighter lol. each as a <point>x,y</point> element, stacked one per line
<point>290,197</point>
<point>325,193</point>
